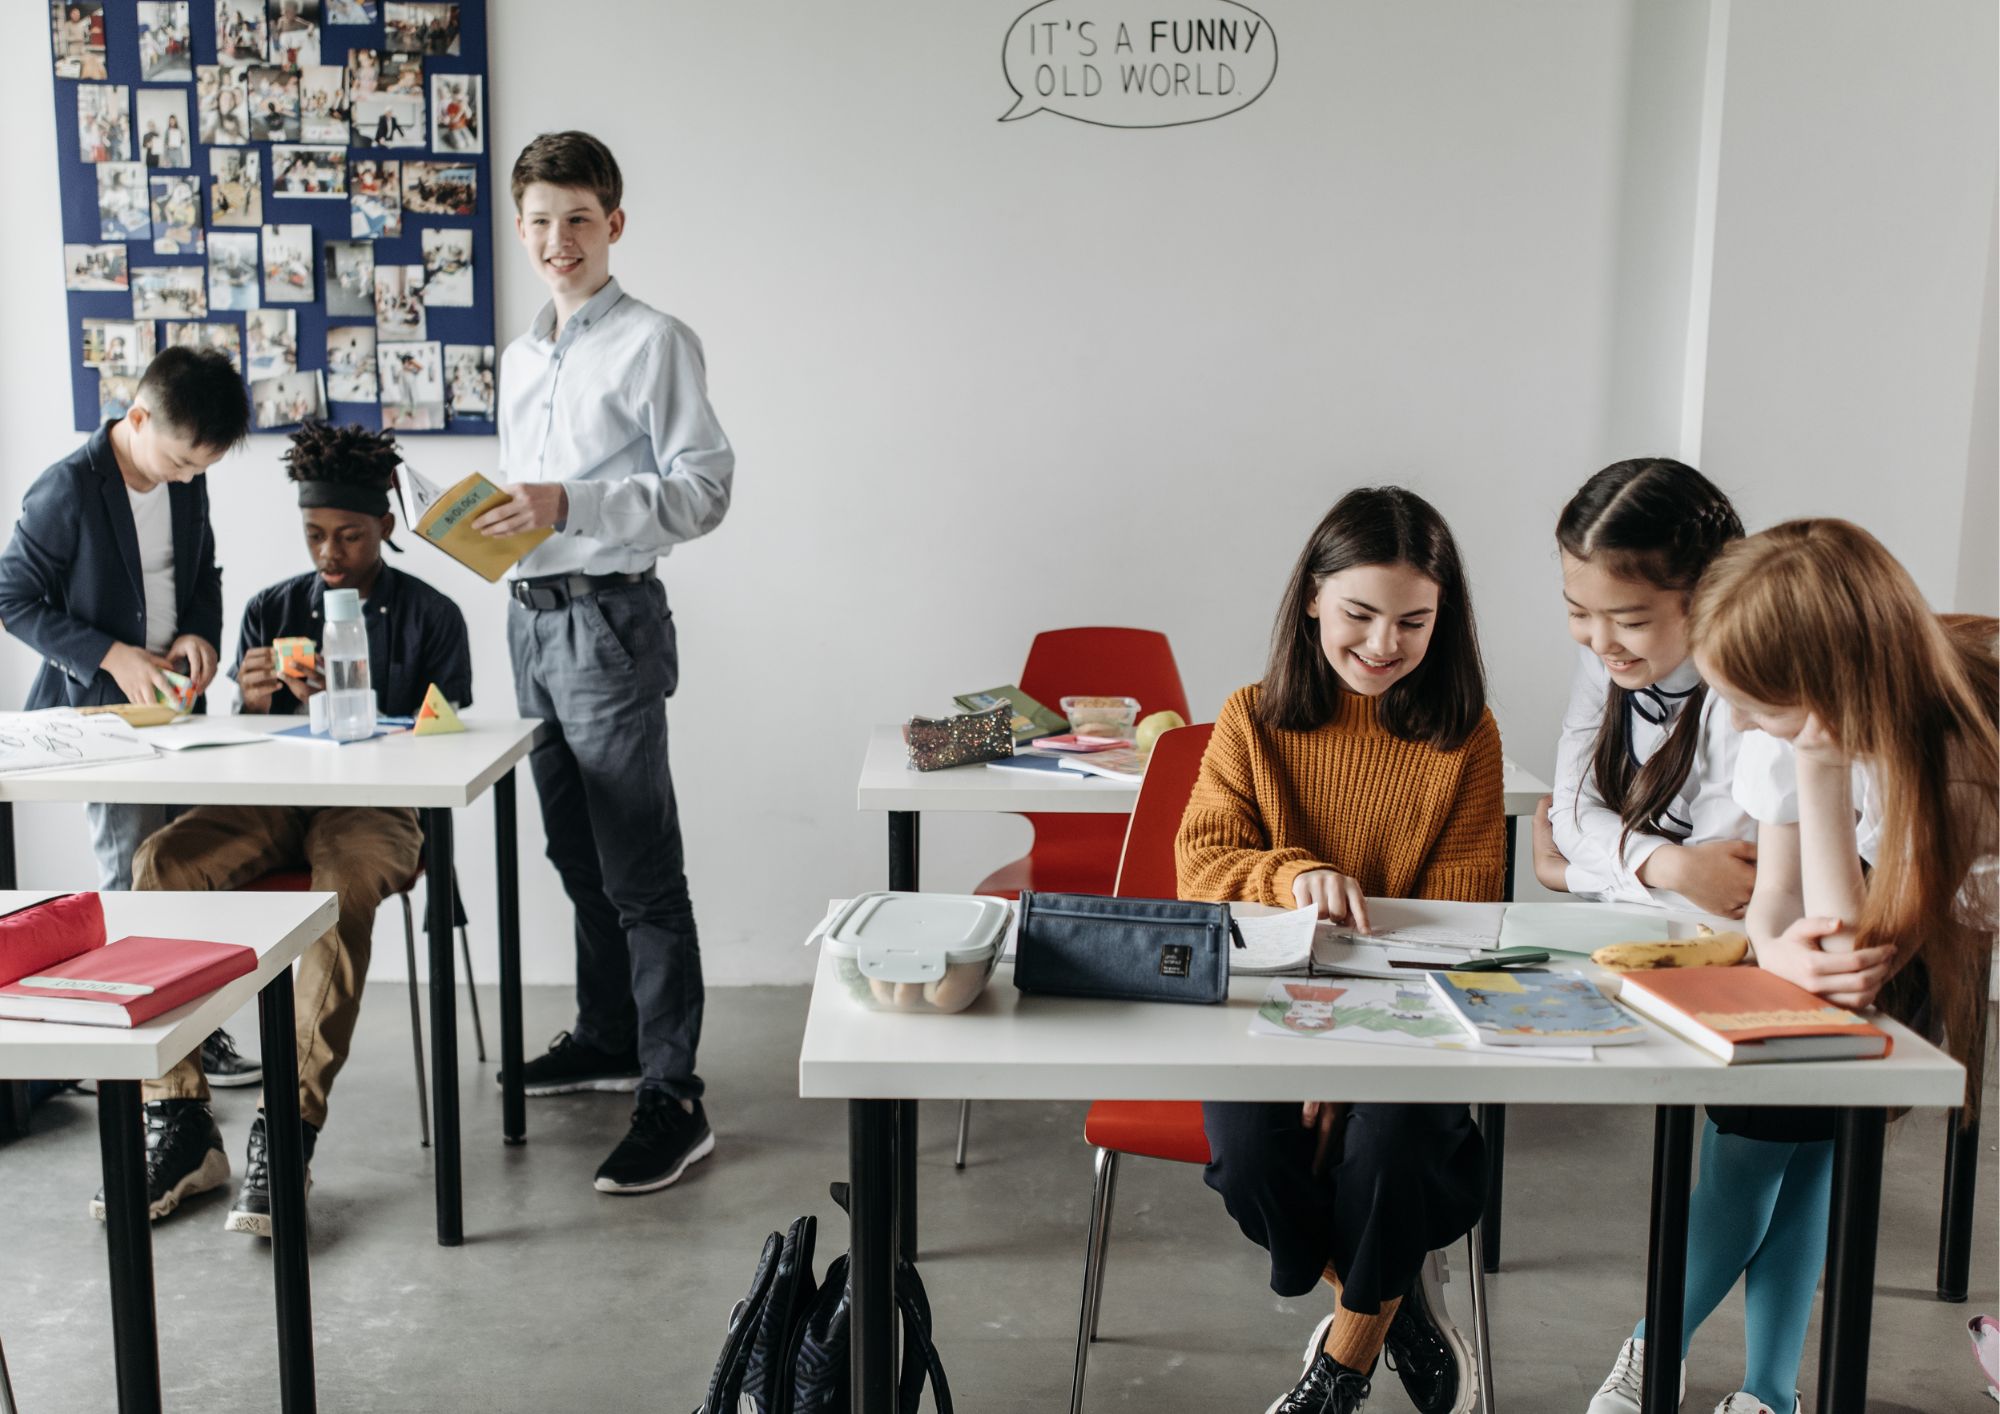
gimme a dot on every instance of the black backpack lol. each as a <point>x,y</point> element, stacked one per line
<point>787,1347</point>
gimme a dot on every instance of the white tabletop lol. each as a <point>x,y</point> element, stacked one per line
<point>422,772</point>
<point>888,783</point>
<point>279,926</point>
<point>1008,1046</point>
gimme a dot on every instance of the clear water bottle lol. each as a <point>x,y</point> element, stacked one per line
<point>350,700</point>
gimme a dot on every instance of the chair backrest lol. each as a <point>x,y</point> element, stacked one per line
<point>1108,662</point>
<point>1146,869</point>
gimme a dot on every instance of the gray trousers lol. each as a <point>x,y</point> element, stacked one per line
<point>598,673</point>
<point>115,832</point>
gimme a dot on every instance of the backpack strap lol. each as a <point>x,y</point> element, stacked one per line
<point>920,1355</point>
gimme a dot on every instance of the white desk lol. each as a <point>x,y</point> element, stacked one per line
<point>279,926</point>
<point>433,774</point>
<point>1014,1047</point>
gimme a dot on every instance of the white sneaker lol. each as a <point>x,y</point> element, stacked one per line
<point>1619,1394</point>
<point>1743,1402</point>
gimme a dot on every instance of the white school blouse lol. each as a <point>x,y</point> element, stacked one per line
<point>1767,787</point>
<point>1705,808</point>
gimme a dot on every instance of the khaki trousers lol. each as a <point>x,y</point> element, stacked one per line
<point>362,854</point>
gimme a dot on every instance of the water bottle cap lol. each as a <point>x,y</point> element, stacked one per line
<point>343,605</point>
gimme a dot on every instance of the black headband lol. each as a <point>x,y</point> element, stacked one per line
<point>344,496</point>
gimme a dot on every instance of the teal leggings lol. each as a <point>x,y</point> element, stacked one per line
<point>1759,1212</point>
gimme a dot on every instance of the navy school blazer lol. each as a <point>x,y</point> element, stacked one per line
<point>70,581</point>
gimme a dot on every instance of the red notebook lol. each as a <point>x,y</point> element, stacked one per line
<point>1747,1015</point>
<point>126,983</point>
<point>45,933</point>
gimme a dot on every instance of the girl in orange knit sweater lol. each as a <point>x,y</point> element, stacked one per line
<point>1365,763</point>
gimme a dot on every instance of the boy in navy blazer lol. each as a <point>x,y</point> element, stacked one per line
<point>111,573</point>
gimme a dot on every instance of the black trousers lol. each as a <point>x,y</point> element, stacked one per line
<point>1397,1182</point>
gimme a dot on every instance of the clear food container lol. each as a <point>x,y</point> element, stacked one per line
<point>917,952</point>
<point>1102,716</point>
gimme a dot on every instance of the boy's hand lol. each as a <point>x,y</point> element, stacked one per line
<point>139,674</point>
<point>536,505</point>
<point>200,657</point>
<point>258,680</point>
<point>1551,868</point>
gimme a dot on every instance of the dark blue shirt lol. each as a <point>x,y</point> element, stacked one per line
<point>416,637</point>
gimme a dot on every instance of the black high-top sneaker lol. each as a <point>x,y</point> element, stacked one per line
<point>251,1212</point>
<point>183,1156</point>
<point>224,1066</point>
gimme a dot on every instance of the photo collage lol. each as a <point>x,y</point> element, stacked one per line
<point>296,184</point>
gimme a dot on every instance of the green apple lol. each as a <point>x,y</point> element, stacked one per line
<point>1156,726</point>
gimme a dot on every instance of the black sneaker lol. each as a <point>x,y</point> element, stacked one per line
<point>251,1212</point>
<point>663,1141</point>
<point>183,1156</point>
<point>1327,1386</point>
<point>225,1066</point>
<point>571,1066</point>
<point>1428,1354</point>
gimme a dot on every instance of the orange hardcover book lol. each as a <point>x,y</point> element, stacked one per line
<point>1746,1015</point>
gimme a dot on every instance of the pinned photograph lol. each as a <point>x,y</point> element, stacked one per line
<point>294,32</point>
<point>350,279</point>
<point>78,26</point>
<point>166,45</point>
<point>163,127</point>
<point>176,205</point>
<point>458,113</point>
<point>232,270</point>
<point>115,395</point>
<point>375,199</point>
<point>447,269</point>
<point>124,211</point>
<point>222,105</point>
<point>385,99</point>
<point>94,267</point>
<point>399,303</point>
<point>323,104</point>
<point>271,339</point>
<point>117,345</point>
<point>225,339</point>
<point>274,103</point>
<point>468,380</point>
<point>103,127</point>
<point>412,386</point>
<point>352,12</point>
<point>441,188</point>
<point>350,364</point>
<point>169,292</point>
<point>236,187</point>
<point>240,37</point>
<point>288,264</point>
<point>309,171</point>
<point>286,399</point>
<point>421,28</point>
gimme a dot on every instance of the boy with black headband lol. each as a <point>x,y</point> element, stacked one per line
<point>416,637</point>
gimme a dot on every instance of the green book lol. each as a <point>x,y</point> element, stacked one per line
<point>1031,718</point>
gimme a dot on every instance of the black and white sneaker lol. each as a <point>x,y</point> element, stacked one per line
<point>183,1156</point>
<point>655,1152</point>
<point>225,1067</point>
<point>251,1212</point>
<point>1326,1386</point>
<point>1429,1356</point>
<point>571,1066</point>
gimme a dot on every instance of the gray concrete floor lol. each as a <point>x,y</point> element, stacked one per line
<point>563,1299</point>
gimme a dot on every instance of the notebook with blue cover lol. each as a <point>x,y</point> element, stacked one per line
<point>1534,1009</point>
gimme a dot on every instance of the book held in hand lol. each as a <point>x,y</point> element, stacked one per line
<point>445,519</point>
<point>126,983</point>
<point>1748,1016</point>
<point>1533,1009</point>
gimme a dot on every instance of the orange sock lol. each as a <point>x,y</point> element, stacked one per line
<point>1356,1340</point>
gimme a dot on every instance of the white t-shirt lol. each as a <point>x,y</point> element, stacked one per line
<point>1767,787</point>
<point>153,517</point>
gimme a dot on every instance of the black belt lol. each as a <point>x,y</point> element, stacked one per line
<point>557,591</point>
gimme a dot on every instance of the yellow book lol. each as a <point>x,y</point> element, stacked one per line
<point>445,519</point>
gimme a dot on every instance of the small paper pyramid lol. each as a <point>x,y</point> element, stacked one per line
<point>436,717</point>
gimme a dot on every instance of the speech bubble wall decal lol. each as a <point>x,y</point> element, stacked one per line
<point>1138,63</point>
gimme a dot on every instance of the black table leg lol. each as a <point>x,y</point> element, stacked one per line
<point>507,884</point>
<point>7,874</point>
<point>1850,1262</point>
<point>279,1032</point>
<point>871,1271</point>
<point>444,1030</point>
<point>1493,1128</point>
<point>1666,1268</point>
<point>134,1337</point>
<point>1961,1176</point>
<point>903,851</point>
<point>903,838</point>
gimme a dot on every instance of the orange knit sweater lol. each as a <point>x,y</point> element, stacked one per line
<point>1407,820</point>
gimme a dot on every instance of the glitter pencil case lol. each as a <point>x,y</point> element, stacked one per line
<point>938,742</point>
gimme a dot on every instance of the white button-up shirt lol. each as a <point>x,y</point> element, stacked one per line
<point>616,408</point>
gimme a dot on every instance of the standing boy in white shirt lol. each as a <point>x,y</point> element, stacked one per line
<point>607,438</point>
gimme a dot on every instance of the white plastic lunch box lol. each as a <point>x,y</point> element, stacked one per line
<point>917,952</point>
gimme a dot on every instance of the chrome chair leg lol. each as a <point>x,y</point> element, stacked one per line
<point>416,1020</point>
<point>1093,1262</point>
<point>1104,1240</point>
<point>472,994</point>
<point>7,1405</point>
<point>964,1132</point>
<point>1481,1327</point>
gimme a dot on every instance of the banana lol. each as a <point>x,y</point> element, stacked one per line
<point>1709,950</point>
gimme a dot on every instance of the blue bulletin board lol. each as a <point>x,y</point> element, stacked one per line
<point>286,180</point>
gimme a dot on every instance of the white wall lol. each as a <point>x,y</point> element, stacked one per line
<point>988,378</point>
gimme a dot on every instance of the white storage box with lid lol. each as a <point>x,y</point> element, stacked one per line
<point>917,952</point>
